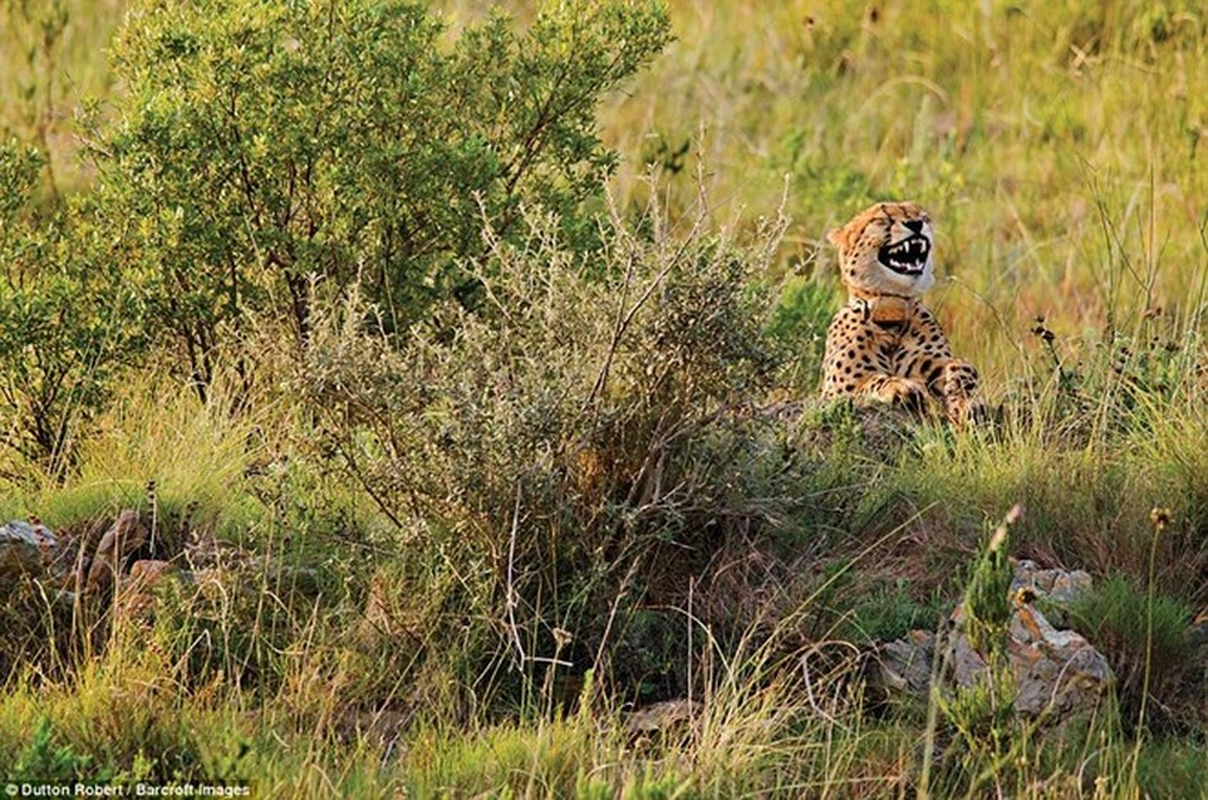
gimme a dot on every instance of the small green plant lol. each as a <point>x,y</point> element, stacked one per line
<point>1144,637</point>
<point>44,761</point>
<point>982,713</point>
<point>802,315</point>
<point>986,607</point>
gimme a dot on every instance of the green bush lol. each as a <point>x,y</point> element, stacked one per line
<point>578,448</point>
<point>802,317</point>
<point>42,760</point>
<point>70,320</point>
<point>262,146</point>
<point>19,168</point>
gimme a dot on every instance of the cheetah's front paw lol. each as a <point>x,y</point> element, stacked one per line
<point>904,392</point>
<point>960,390</point>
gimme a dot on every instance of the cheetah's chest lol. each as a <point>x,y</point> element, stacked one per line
<point>892,347</point>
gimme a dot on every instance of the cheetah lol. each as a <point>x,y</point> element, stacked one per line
<point>883,345</point>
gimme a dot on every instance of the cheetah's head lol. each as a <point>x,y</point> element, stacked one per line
<point>886,249</point>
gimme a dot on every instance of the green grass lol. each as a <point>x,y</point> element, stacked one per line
<point>1059,148</point>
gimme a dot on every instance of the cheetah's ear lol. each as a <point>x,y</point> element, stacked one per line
<point>838,237</point>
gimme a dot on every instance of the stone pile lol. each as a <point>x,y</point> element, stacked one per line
<point>92,566</point>
<point>1057,672</point>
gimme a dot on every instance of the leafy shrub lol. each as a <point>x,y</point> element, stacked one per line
<point>577,449</point>
<point>42,760</point>
<point>982,713</point>
<point>261,144</point>
<point>801,320</point>
<point>19,167</point>
<point>70,321</point>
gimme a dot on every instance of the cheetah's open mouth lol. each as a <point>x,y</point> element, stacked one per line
<point>907,257</point>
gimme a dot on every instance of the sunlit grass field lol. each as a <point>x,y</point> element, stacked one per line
<point>1059,148</point>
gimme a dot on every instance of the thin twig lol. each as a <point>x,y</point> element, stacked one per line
<point>612,614</point>
<point>511,588</point>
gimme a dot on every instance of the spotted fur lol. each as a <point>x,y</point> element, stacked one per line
<point>884,345</point>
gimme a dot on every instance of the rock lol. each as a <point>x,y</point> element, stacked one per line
<point>1056,585</point>
<point>25,548</point>
<point>968,665</point>
<point>84,548</point>
<point>1056,671</point>
<point>664,716</point>
<point>137,594</point>
<point>906,664</point>
<point>123,537</point>
<point>150,572</point>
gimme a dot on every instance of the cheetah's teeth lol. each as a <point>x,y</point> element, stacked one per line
<point>908,247</point>
<point>908,256</point>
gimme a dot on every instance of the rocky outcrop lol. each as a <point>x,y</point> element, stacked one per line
<point>25,548</point>
<point>122,538</point>
<point>1057,672</point>
<point>1058,586</point>
<point>99,560</point>
<point>905,666</point>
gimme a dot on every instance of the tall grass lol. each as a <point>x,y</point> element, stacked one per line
<point>1057,147</point>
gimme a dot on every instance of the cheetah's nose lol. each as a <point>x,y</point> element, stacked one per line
<point>915,225</point>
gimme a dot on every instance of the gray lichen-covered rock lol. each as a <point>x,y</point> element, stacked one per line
<point>25,548</point>
<point>1057,672</point>
<point>1059,586</point>
<point>905,665</point>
